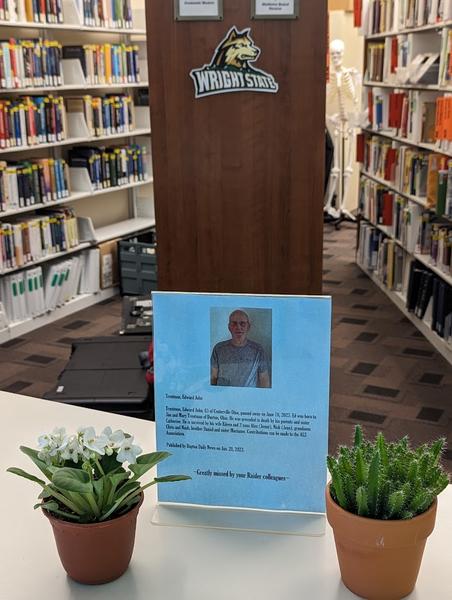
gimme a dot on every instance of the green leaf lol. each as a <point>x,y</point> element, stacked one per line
<point>373,485</point>
<point>382,448</point>
<point>337,484</point>
<point>171,478</point>
<point>46,493</point>
<point>62,499</point>
<point>361,468</point>
<point>72,480</point>
<point>412,471</point>
<point>361,502</point>
<point>358,436</point>
<point>127,505</point>
<point>152,458</point>
<point>145,462</point>
<point>98,486</point>
<point>26,475</point>
<point>54,508</point>
<point>117,504</point>
<point>395,504</point>
<point>48,505</point>
<point>125,489</point>
<point>437,449</point>
<point>42,466</point>
<point>109,464</point>
<point>441,484</point>
<point>114,482</point>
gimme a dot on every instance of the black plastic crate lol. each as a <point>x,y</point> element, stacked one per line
<point>138,264</point>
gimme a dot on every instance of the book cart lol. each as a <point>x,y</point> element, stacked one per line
<point>405,234</point>
<point>80,207</point>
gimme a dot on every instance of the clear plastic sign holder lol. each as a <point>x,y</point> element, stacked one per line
<point>255,450</point>
<point>238,519</point>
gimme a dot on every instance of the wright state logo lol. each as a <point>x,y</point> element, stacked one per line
<point>230,69</point>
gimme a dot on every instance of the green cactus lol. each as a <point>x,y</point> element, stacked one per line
<point>386,480</point>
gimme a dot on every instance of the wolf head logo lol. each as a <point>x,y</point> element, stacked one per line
<point>236,51</point>
<point>230,70</point>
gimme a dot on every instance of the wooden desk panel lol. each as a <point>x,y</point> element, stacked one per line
<point>238,177</point>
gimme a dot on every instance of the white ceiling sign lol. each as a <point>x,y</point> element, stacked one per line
<point>276,9</point>
<point>199,9</point>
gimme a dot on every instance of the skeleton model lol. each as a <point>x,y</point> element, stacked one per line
<point>344,93</point>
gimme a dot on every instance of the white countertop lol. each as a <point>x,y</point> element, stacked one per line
<point>172,563</point>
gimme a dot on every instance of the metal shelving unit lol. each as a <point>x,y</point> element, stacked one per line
<point>140,214</point>
<point>398,298</point>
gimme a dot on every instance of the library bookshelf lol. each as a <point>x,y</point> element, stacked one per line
<point>405,231</point>
<point>104,211</point>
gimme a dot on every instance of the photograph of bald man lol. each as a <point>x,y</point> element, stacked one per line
<point>239,361</point>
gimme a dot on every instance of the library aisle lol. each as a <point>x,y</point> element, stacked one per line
<point>385,374</point>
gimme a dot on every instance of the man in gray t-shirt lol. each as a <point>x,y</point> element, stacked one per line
<point>239,362</point>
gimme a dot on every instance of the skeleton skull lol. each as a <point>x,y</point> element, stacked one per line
<point>337,48</point>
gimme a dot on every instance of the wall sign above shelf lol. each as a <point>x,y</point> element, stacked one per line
<point>275,9</point>
<point>198,10</point>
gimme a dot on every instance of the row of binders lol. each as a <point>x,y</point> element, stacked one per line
<point>418,116</point>
<point>25,241</point>
<point>32,182</point>
<point>384,207</point>
<point>41,181</point>
<point>30,63</point>
<point>34,292</point>
<point>33,11</point>
<point>94,13</point>
<point>381,16</point>
<point>110,167</point>
<point>32,120</point>
<point>411,171</point>
<point>446,60</point>
<point>105,115</point>
<point>430,299</point>
<point>403,60</point>
<point>427,295</point>
<point>418,230</point>
<point>106,63</point>
<point>379,254</point>
<point>106,13</point>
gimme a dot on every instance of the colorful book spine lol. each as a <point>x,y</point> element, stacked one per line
<point>110,166</point>
<point>31,183</point>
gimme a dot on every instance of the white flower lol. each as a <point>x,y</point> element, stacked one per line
<point>94,443</point>
<point>44,440</point>
<point>127,451</point>
<point>59,433</point>
<point>73,450</point>
<point>114,439</point>
<point>51,443</point>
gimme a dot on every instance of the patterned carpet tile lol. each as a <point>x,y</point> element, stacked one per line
<point>384,373</point>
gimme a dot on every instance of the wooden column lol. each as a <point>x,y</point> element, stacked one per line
<point>239,177</point>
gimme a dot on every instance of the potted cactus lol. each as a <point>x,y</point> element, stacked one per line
<point>381,503</point>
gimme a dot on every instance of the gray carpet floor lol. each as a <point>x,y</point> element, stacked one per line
<point>384,373</point>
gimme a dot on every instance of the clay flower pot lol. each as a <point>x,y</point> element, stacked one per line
<point>379,560</point>
<point>96,553</point>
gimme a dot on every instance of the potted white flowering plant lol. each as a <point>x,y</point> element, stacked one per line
<point>91,496</point>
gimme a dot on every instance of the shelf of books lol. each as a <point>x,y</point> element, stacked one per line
<point>405,151</point>
<point>75,164</point>
<point>102,16</point>
<point>22,326</point>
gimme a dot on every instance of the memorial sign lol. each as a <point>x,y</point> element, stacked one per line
<point>242,396</point>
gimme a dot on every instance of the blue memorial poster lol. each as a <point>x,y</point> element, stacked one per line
<point>242,395</point>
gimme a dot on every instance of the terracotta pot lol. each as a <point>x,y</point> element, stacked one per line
<point>379,560</point>
<point>96,553</point>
